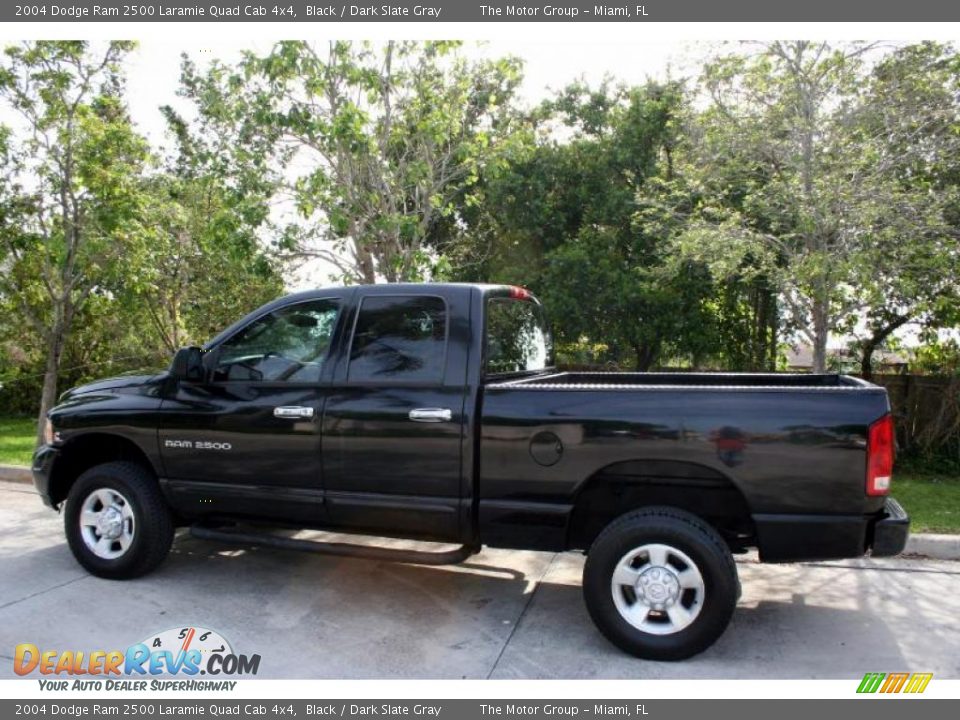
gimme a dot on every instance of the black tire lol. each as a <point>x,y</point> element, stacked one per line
<point>153,526</point>
<point>691,536</point>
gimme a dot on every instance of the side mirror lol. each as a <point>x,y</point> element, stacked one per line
<point>188,364</point>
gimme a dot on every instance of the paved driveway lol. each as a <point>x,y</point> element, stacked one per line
<point>503,614</point>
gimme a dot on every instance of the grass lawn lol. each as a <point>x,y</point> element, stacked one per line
<point>932,499</point>
<point>17,436</point>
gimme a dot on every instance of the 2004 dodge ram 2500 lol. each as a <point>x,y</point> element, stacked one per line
<point>434,412</point>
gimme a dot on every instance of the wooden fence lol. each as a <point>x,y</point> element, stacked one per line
<point>925,408</point>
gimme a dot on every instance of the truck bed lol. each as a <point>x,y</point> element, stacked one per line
<point>675,380</point>
<point>789,445</point>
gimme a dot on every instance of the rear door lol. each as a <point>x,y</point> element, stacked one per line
<point>247,440</point>
<point>393,423</point>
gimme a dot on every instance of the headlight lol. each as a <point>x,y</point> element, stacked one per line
<point>49,436</point>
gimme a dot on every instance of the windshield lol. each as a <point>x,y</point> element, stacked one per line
<point>518,339</point>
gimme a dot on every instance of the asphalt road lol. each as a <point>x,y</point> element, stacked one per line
<point>503,614</point>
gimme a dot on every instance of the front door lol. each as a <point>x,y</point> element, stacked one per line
<point>247,440</point>
<point>393,423</point>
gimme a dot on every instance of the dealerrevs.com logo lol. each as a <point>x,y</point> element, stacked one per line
<point>187,652</point>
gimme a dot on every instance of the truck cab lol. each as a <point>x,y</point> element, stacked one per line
<point>350,408</point>
<point>347,407</point>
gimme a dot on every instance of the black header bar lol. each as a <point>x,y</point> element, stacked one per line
<point>314,11</point>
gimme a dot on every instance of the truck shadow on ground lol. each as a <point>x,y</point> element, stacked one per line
<point>520,614</point>
<point>502,614</point>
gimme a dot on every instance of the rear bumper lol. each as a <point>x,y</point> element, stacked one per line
<point>792,538</point>
<point>890,533</point>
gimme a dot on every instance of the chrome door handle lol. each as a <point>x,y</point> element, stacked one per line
<point>293,411</point>
<point>431,415</point>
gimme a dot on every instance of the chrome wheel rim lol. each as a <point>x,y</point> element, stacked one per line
<point>658,589</point>
<point>107,523</point>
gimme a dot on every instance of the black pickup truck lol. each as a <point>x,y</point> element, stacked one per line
<point>434,412</point>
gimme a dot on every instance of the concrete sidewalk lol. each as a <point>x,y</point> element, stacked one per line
<point>503,614</point>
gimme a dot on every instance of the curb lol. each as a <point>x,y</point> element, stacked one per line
<point>939,547</point>
<point>16,473</point>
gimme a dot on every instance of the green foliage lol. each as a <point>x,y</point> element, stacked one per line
<point>20,386</point>
<point>385,145</point>
<point>563,218</point>
<point>940,357</point>
<point>203,265</point>
<point>70,189</point>
<point>98,245</point>
<point>905,269</point>
<point>824,176</point>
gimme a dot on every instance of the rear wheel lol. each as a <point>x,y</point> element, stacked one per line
<point>116,521</point>
<point>660,584</point>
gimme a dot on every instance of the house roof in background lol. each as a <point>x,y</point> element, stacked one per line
<point>801,356</point>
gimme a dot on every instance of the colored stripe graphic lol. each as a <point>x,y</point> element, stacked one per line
<point>871,682</point>
<point>918,682</point>
<point>894,682</point>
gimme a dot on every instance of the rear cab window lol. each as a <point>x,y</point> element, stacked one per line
<point>517,338</point>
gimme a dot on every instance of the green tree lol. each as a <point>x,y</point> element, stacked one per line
<point>383,143</point>
<point>783,113</point>
<point>562,220</point>
<point>828,182</point>
<point>70,187</point>
<point>909,124</point>
<point>741,305</point>
<point>204,263</point>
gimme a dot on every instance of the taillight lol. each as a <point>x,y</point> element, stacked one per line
<point>880,456</point>
<point>519,293</point>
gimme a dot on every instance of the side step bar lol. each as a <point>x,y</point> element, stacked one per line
<point>413,557</point>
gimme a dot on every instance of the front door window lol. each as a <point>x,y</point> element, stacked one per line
<point>288,345</point>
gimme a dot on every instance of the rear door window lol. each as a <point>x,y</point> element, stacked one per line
<point>399,339</point>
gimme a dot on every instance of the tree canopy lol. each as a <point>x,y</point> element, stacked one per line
<point>788,192</point>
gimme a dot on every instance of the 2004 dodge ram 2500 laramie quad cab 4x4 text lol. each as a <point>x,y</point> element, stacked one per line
<point>434,412</point>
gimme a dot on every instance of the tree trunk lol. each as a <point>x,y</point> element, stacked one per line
<point>365,266</point>
<point>645,355</point>
<point>773,321</point>
<point>879,336</point>
<point>50,376</point>
<point>866,360</point>
<point>821,331</point>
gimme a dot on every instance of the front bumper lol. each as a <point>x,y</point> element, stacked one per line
<point>794,538</point>
<point>41,467</point>
<point>890,533</point>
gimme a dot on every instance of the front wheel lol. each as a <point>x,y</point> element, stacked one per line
<point>116,521</point>
<point>660,584</point>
